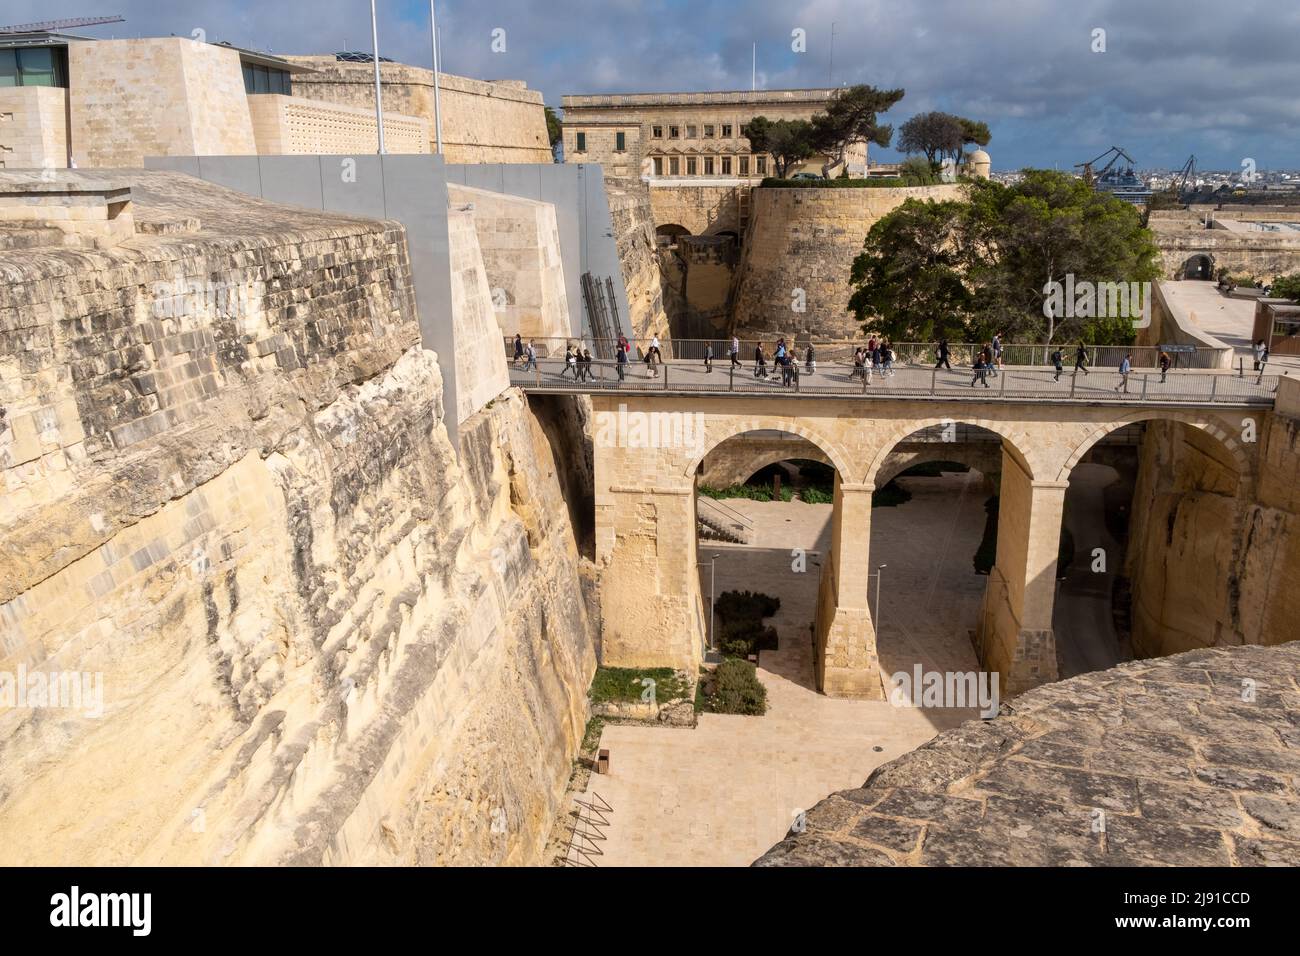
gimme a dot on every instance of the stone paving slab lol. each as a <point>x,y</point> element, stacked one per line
<point>1106,769</point>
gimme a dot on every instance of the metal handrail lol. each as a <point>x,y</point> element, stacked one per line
<point>907,353</point>
<point>726,513</point>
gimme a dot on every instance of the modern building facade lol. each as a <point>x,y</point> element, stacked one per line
<point>687,135</point>
<point>76,101</point>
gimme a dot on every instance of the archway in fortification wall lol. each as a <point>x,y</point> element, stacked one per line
<point>1151,518</point>
<point>1199,266</point>
<point>932,543</point>
<point>668,234</point>
<point>754,533</point>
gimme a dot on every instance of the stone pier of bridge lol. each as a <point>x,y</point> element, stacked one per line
<point>649,451</point>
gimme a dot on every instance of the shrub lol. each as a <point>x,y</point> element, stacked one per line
<point>746,605</point>
<point>814,495</point>
<point>892,182</point>
<point>737,690</point>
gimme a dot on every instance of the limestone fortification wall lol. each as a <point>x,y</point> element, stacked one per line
<point>287,125</point>
<point>807,239</point>
<point>163,96</point>
<point>701,210</point>
<point>482,122</point>
<point>320,637</point>
<point>634,234</point>
<point>1182,234</point>
<point>520,244</point>
<point>1207,556</point>
<point>33,127</point>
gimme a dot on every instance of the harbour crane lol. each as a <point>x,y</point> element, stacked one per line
<point>1185,175</point>
<point>1090,177</point>
<point>47,25</point>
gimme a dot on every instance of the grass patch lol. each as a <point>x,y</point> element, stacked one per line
<point>623,685</point>
<point>749,492</point>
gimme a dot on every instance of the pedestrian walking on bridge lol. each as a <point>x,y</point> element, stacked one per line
<point>734,351</point>
<point>1165,362</point>
<point>981,370</point>
<point>1081,359</point>
<point>1057,360</point>
<point>942,352</point>
<point>708,356</point>
<point>1125,367</point>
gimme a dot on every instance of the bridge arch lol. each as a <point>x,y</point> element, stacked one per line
<point>719,430</point>
<point>1011,442</point>
<point>1211,426</point>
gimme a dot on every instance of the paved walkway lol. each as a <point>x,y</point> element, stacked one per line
<point>724,792</point>
<point>1231,321</point>
<point>1016,384</point>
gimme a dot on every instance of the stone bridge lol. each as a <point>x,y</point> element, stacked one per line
<point>649,449</point>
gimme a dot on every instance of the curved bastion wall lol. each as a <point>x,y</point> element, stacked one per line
<point>806,239</point>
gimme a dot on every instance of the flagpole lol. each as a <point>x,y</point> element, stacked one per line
<point>379,97</point>
<point>437,102</point>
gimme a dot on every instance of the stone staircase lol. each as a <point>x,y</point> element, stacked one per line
<point>717,522</point>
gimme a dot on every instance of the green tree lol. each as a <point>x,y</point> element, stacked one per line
<point>974,132</point>
<point>788,141</point>
<point>934,134</point>
<point>852,117</point>
<point>555,131</point>
<point>917,171</point>
<point>987,263</point>
<point>1048,226</point>
<point>909,282</point>
<point>1286,287</point>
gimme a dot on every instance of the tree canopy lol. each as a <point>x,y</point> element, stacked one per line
<point>789,141</point>
<point>1286,287</point>
<point>554,131</point>
<point>851,117</point>
<point>985,264</point>
<point>938,135</point>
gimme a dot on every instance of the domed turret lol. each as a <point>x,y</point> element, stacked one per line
<point>978,165</point>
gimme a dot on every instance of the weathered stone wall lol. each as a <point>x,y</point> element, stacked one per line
<point>1181,234</point>
<point>320,637</point>
<point>634,234</point>
<point>165,96</point>
<point>482,122</point>
<point>520,244</point>
<point>701,210</point>
<point>288,125</point>
<point>807,239</point>
<point>33,127</point>
<point>1211,559</point>
<point>1169,762</point>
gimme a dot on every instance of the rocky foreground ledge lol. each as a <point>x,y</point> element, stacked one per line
<point>1189,760</point>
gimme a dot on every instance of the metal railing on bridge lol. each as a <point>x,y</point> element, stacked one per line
<point>1018,383</point>
<point>907,354</point>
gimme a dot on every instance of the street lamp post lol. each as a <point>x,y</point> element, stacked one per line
<point>713,604</point>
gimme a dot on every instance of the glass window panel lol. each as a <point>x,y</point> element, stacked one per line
<point>248,79</point>
<point>8,68</point>
<point>262,79</point>
<point>36,66</point>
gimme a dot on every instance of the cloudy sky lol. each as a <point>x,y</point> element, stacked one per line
<point>1221,80</point>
